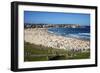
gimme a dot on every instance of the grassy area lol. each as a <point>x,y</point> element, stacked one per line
<point>34,52</point>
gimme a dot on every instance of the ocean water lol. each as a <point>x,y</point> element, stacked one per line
<point>81,33</point>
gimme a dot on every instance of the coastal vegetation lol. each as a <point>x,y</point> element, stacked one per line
<point>33,52</point>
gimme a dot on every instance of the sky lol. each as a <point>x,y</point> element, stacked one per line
<point>56,18</point>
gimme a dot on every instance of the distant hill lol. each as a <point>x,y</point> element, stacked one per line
<point>26,25</point>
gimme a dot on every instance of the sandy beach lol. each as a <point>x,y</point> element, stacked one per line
<point>41,36</point>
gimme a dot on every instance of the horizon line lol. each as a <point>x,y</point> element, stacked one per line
<point>57,24</point>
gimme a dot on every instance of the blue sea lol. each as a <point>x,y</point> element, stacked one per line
<point>80,33</point>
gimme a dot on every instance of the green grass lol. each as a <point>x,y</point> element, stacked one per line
<point>34,52</point>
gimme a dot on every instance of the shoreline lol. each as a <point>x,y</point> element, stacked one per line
<point>70,37</point>
<point>76,36</point>
<point>41,36</point>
